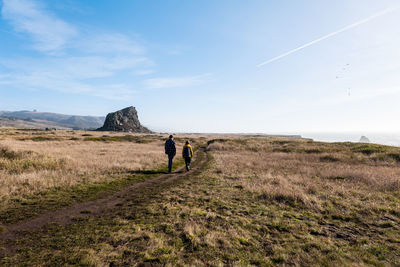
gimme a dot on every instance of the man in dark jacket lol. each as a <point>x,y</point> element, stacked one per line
<point>170,150</point>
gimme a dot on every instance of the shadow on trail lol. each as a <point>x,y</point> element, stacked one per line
<point>147,172</point>
<point>153,172</point>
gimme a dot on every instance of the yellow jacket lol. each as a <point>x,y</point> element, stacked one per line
<point>191,150</point>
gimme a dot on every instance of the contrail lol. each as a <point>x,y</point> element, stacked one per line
<point>379,14</point>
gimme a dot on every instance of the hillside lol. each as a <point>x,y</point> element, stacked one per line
<point>89,199</point>
<point>12,122</point>
<point>30,119</point>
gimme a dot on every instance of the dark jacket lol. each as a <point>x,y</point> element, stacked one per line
<point>170,148</point>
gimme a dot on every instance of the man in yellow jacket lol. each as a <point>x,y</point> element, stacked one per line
<point>187,154</point>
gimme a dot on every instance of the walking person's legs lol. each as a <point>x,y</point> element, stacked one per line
<point>187,162</point>
<point>170,163</point>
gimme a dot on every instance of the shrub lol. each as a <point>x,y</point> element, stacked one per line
<point>313,151</point>
<point>328,158</point>
<point>283,150</point>
<point>369,149</point>
<point>282,142</point>
<point>8,154</point>
<point>395,156</point>
<point>216,140</point>
<point>337,178</point>
<point>125,138</point>
<point>40,138</point>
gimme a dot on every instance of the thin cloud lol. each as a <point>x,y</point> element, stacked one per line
<point>48,32</point>
<point>56,82</point>
<point>143,72</point>
<point>175,82</point>
<point>348,27</point>
<point>51,34</point>
<point>84,67</point>
<point>78,75</point>
<point>98,61</point>
<point>114,43</point>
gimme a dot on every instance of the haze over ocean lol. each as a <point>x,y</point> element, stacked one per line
<point>392,139</point>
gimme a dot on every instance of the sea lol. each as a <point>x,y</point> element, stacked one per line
<point>390,139</point>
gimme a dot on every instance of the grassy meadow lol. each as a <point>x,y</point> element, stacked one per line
<point>251,201</point>
<point>45,170</point>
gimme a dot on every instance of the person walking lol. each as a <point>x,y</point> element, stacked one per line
<point>170,150</point>
<point>187,154</point>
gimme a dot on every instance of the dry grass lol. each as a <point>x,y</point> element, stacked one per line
<point>303,177</point>
<point>258,202</point>
<point>29,166</point>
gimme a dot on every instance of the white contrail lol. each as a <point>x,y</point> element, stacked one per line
<point>379,14</point>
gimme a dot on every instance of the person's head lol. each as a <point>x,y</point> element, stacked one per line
<point>187,142</point>
<point>171,136</point>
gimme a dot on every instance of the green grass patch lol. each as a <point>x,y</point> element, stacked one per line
<point>337,178</point>
<point>369,149</point>
<point>313,151</point>
<point>328,158</point>
<point>40,138</point>
<point>125,138</point>
<point>6,153</point>
<point>284,149</point>
<point>86,212</point>
<point>394,156</point>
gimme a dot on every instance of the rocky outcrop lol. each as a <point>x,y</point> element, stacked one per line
<point>125,120</point>
<point>364,139</point>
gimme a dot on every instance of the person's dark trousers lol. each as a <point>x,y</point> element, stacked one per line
<point>187,162</point>
<point>170,158</point>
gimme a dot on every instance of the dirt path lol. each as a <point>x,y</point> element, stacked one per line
<point>95,207</point>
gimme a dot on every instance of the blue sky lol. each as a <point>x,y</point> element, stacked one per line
<point>197,66</point>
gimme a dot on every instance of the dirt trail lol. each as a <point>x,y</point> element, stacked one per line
<point>95,207</point>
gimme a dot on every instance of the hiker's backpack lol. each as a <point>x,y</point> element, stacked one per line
<point>186,151</point>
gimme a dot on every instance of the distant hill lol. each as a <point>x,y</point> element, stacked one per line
<point>31,119</point>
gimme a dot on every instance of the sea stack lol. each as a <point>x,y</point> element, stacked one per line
<point>364,139</point>
<point>124,120</point>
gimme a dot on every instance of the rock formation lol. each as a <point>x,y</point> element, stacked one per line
<point>125,120</point>
<point>364,139</point>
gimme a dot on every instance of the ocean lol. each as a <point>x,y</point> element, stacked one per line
<point>391,139</point>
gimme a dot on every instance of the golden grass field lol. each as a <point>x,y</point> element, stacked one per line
<point>257,201</point>
<point>37,161</point>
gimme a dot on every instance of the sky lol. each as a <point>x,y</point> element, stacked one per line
<point>234,66</point>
